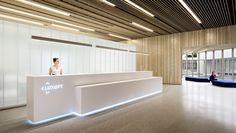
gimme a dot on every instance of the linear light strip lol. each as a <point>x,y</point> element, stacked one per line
<point>140,8</point>
<point>44,7</point>
<point>118,104</point>
<point>143,27</point>
<point>95,111</point>
<point>50,119</point>
<point>22,20</point>
<point>63,27</point>
<point>190,11</point>
<point>121,37</point>
<point>108,3</point>
<point>25,13</point>
<point>45,18</point>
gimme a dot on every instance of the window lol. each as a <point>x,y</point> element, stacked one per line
<point>194,65</point>
<point>209,62</point>
<point>184,64</point>
<point>218,63</point>
<point>234,71</point>
<point>189,65</point>
<point>228,64</point>
<point>224,65</point>
<point>202,64</point>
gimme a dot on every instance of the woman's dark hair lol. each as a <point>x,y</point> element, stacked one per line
<point>55,59</point>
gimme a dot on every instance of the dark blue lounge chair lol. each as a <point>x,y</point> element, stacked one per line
<point>197,79</point>
<point>224,83</point>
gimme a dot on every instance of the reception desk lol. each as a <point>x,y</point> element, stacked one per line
<point>52,97</point>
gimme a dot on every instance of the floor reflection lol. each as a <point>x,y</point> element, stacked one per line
<point>211,102</point>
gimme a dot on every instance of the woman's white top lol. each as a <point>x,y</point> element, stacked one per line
<point>56,70</point>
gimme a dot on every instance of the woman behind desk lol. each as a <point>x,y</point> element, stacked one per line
<point>55,69</point>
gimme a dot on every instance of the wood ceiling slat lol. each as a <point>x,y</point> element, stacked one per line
<point>170,15</point>
<point>194,6</point>
<point>226,10</point>
<point>220,18</point>
<point>76,7</point>
<point>162,23</point>
<point>49,15</point>
<point>232,10</point>
<point>158,17</point>
<point>192,22</point>
<point>167,16</point>
<point>142,18</point>
<point>53,17</point>
<point>174,15</point>
<point>179,16</point>
<point>211,13</point>
<point>161,14</point>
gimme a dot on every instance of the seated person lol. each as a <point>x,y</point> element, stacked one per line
<point>213,76</point>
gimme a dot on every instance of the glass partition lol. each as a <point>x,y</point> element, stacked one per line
<point>218,63</point>
<point>202,64</point>
<point>184,65</point>
<point>209,61</point>
<point>228,64</point>
<point>222,61</point>
<point>234,64</point>
<point>194,65</point>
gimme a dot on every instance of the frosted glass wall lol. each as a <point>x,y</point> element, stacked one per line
<point>21,56</point>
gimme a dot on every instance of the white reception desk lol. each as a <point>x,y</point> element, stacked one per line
<point>52,97</point>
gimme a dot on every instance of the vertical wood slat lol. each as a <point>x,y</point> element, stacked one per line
<point>164,57</point>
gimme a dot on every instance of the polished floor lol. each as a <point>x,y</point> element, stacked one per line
<point>187,108</point>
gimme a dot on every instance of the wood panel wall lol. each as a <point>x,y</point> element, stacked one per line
<point>209,39</point>
<point>164,56</point>
<point>165,52</point>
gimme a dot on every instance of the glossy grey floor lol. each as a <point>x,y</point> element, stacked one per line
<point>187,108</point>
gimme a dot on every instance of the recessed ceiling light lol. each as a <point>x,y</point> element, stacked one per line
<point>121,37</point>
<point>44,7</point>
<point>64,27</point>
<point>143,27</point>
<point>190,11</point>
<point>20,19</point>
<point>108,3</point>
<point>44,18</point>
<point>140,8</point>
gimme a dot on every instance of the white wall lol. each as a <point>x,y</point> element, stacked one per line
<point>20,56</point>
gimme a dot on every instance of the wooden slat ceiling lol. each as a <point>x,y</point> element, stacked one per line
<point>170,15</point>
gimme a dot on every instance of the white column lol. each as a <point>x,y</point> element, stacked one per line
<point>233,64</point>
<point>205,64</point>
<point>213,60</point>
<point>186,65</point>
<point>192,65</point>
<point>198,64</point>
<point>222,64</point>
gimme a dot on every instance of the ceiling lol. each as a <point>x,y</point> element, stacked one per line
<point>170,15</point>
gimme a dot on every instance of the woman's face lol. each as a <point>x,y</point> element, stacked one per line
<point>56,62</point>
